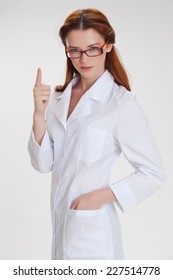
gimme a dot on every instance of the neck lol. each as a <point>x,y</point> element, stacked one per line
<point>84,84</point>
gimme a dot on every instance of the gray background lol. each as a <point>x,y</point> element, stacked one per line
<point>29,39</point>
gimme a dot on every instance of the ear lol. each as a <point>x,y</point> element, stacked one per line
<point>109,47</point>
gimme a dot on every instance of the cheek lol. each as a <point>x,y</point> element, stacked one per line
<point>101,59</point>
<point>75,63</point>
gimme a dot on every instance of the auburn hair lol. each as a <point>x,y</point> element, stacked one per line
<point>93,18</point>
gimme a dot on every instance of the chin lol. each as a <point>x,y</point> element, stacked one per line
<point>89,75</point>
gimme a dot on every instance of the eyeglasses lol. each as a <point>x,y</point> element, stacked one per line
<point>92,52</point>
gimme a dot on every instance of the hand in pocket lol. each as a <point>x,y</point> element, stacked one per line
<point>93,200</point>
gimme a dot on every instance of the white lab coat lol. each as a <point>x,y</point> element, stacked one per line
<point>81,151</point>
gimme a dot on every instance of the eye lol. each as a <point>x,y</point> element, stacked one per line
<point>94,48</point>
<point>73,50</point>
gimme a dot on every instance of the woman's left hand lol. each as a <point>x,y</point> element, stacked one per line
<point>93,200</point>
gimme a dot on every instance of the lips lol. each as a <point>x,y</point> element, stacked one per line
<point>85,68</point>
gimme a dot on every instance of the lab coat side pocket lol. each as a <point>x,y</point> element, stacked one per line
<point>87,234</point>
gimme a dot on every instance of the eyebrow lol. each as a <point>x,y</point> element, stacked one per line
<point>87,47</point>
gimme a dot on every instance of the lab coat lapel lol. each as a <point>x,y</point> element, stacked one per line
<point>100,92</point>
<point>61,108</point>
<point>82,109</point>
<point>90,103</point>
<point>102,88</point>
<point>93,101</point>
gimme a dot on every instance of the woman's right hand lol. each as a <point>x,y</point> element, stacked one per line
<point>41,95</point>
<point>41,98</point>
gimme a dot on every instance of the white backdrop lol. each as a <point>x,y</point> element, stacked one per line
<point>28,40</point>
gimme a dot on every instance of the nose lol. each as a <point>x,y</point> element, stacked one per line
<point>83,58</point>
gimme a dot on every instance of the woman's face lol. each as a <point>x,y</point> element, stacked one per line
<point>81,40</point>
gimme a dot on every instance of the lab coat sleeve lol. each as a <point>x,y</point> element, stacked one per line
<point>41,155</point>
<point>137,144</point>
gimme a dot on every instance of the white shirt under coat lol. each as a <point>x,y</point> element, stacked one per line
<point>80,151</point>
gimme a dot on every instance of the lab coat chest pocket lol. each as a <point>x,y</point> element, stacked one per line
<point>87,234</point>
<point>90,144</point>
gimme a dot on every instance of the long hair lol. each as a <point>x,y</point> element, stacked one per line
<point>93,18</point>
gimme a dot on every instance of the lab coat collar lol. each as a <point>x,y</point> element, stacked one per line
<point>98,92</point>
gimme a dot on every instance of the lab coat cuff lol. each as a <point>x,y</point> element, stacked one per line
<point>35,147</point>
<point>41,155</point>
<point>124,198</point>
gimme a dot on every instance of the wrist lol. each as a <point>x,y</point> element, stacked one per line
<point>106,195</point>
<point>38,116</point>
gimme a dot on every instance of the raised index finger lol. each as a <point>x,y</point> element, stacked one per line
<point>38,78</point>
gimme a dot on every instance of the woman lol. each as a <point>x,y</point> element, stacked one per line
<point>90,120</point>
